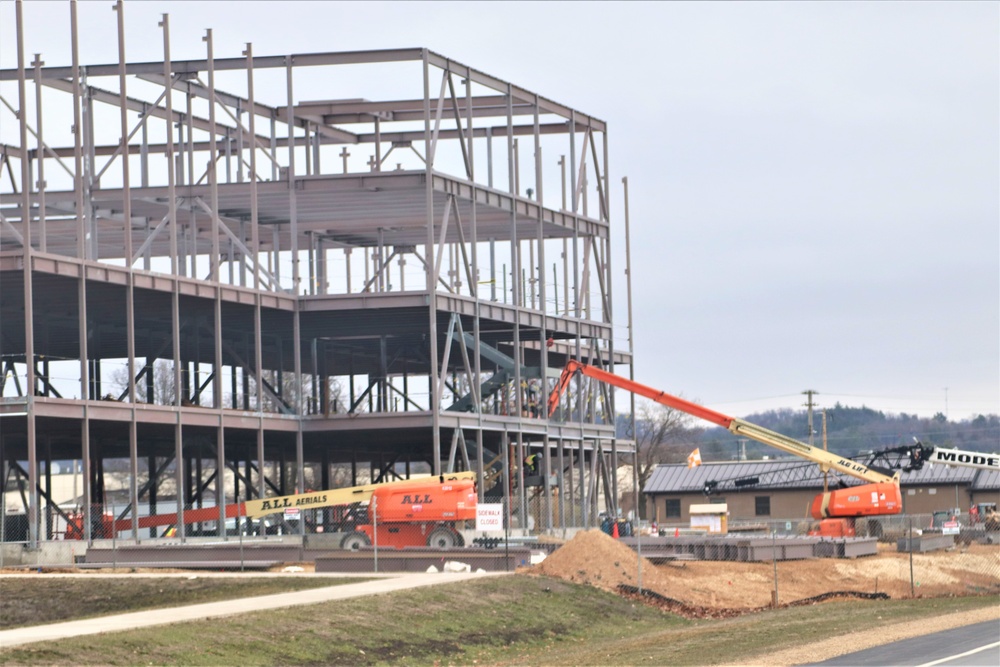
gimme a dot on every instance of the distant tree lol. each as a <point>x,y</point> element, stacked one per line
<point>855,431</point>
<point>163,382</point>
<point>662,435</point>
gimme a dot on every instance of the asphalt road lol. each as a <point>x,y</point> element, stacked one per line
<point>969,646</point>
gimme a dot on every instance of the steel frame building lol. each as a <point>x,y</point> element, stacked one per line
<point>230,274</point>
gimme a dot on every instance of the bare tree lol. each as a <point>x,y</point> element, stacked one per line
<point>162,372</point>
<point>663,435</point>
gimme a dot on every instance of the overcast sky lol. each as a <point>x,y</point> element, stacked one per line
<point>814,187</point>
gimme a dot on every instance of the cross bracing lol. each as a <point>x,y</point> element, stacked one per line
<point>300,275</point>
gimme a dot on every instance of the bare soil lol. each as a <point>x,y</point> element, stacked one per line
<point>594,558</point>
<point>721,589</point>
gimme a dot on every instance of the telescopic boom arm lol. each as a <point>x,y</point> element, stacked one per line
<point>824,459</point>
<point>913,457</point>
<point>345,496</point>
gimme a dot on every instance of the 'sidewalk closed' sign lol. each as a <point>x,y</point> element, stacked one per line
<point>489,516</point>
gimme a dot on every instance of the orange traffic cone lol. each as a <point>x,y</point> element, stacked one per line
<point>614,530</point>
<point>677,532</point>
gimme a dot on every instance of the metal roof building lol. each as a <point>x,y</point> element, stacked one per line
<point>785,488</point>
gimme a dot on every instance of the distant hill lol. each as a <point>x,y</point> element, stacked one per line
<point>850,432</point>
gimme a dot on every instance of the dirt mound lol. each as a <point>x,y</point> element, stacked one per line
<point>592,557</point>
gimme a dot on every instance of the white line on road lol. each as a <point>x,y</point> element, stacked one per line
<point>960,655</point>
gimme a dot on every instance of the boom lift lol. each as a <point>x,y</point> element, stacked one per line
<point>408,513</point>
<point>412,512</point>
<point>836,509</point>
<point>907,458</point>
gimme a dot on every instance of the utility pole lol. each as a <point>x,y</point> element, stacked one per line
<point>825,448</point>
<point>809,404</point>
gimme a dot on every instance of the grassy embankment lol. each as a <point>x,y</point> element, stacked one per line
<point>42,600</point>
<point>502,620</point>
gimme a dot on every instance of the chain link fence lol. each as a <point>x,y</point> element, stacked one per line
<point>755,564</point>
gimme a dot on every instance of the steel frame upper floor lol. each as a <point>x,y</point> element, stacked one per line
<point>198,212</point>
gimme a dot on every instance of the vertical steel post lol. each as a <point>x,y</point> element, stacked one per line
<point>129,277</point>
<point>87,131</point>
<point>631,373</point>
<point>570,488</point>
<point>175,271</point>
<point>29,328</point>
<point>505,455</point>
<point>609,296</point>
<point>565,248</point>
<point>144,162</point>
<point>293,224</point>
<point>584,510</point>
<point>190,158</point>
<point>584,496</point>
<point>515,262</point>
<point>430,284</point>
<point>40,157</point>
<point>215,277</point>
<point>560,505</point>
<point>493,270</point>
<point>239,527</point>
<point>910,541</point>
<point>255,248</point>
<point>614,470</point>
<point>543,389</point>
<point>81,250</point>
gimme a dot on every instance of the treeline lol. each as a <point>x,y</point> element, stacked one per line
<point>854,431</point>
<point>849,431</point>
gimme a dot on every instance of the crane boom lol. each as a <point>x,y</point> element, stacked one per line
<point>966,459</point>
<point>826,460</point>
<point>353,494</point>
<point>913,457</point>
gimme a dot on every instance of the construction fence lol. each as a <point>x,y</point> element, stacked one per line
<point>754,564</point>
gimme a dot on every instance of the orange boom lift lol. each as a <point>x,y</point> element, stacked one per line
<point>836,509</point>
<point>405,513</point>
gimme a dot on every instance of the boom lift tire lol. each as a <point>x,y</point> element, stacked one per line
<point>354,541</point>
<point>444,538</point>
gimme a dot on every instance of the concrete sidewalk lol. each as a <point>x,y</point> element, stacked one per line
<point>144,619</point>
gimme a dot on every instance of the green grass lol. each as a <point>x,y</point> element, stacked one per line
<point>496,620</point>
<point>38,601</point>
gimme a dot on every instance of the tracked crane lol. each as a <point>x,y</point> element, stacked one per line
<point>836,510</point>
